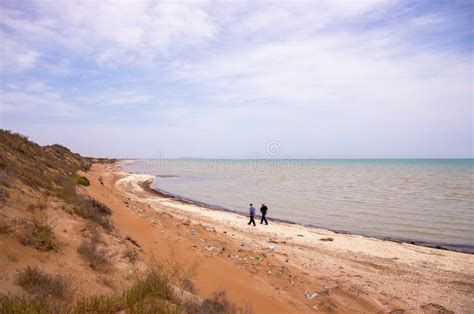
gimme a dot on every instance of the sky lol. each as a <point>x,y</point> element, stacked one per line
<point>240,79</point>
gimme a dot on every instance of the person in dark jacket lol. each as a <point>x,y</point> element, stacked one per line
<point>264,210</point>
<point>252,215</point>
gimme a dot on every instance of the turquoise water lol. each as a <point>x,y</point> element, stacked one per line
<point>424,201</point>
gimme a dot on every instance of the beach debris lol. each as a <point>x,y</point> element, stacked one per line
<point>356,288</point>
<point>258,258</point>
<point>435,308</point>
<point>187,222</point>
<point>210,248</point>
<point>156,222</point>
<point>310,295</point>
<point>326,239</point>
<point>324,293</point>
<point>276,242</point>
<point>244,244</point>
<point>300,235</point>
<point>210,229</point>
<point>132,241</point>
<point>193,232</point>
<point>269,272</point>
<point>271,247</point>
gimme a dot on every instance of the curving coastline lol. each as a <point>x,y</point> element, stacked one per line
<point>387,271</point>
<point>149,186</point>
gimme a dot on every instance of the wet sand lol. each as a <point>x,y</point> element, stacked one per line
<point>284,268</point>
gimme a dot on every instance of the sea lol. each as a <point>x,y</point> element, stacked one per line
<point>423,201</point>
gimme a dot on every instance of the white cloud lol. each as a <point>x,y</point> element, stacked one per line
<point>119,98</point>
<point>114,32</point>
<point>36,100</point>
<point>15,57</point>
<point>322,72</point>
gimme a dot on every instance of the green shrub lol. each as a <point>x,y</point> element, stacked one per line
<point>80,180</point>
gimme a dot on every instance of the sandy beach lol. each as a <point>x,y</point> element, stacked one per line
<point>285,268</point>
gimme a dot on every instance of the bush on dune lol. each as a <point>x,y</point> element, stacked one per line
<point>95,256</point>
<point>38,233</point>
<point>41,284</point>
<point>80,180</point>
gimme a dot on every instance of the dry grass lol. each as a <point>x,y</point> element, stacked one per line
<point>131,255</point>
<point>95,256</point>
<point>38,206</point>
<point>50,170</point>
<point>41,284</point>
<point>4,227</point>
<point>4,194</point>
<point>93,210</point>
<point>150,293</point>
<point>38,233</point>
<point>12,257</point>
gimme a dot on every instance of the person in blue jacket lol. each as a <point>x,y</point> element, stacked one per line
<point>252,215</point>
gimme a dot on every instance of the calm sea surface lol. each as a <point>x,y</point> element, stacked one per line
<point>428,201</point>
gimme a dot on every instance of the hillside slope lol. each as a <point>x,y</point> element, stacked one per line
<point>60,249</point>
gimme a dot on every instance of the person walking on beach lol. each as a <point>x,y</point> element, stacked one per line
<point>264,210</point>
<point>252,215</point>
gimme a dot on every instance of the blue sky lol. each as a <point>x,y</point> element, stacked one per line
<point>324,79</point>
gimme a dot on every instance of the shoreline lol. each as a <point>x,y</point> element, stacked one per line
<point>344,273</point>
<point>460,248</point>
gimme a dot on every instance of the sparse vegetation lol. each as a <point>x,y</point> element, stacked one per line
<point>38,233</point>
<point>131,255</point>
<point>107,282</point>
<point>95,256</point>
<point>150,293</point>
<point>3,196</point>
<point>50,174</point>
<point>93,210</point>
<point>80,180</point>
<point>41,284</point>
<point>50,169</point>
<point>40,205</point>
<point>12,257</point>
<point>4,227</point>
